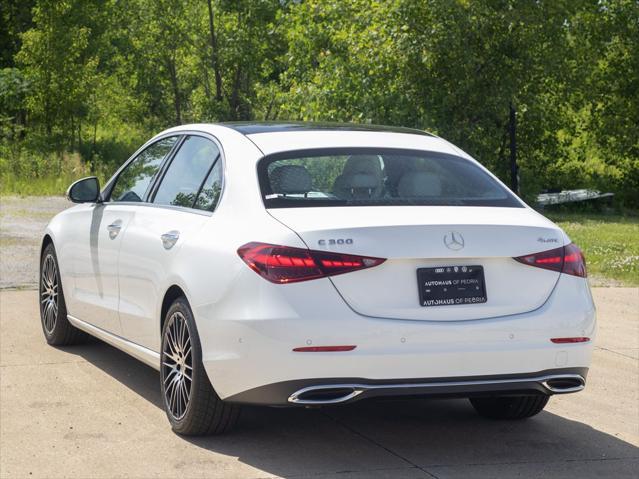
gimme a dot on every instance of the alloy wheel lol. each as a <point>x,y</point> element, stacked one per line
<point>49,293</point>
<point>177,365</point>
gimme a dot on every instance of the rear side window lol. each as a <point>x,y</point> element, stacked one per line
<point>377,177</point>
<point>133,182</point>
<point>189,176</point>
<point>211,190</point>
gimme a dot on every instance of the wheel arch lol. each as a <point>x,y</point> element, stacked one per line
<point>172,293</point>
<point>46,241</point>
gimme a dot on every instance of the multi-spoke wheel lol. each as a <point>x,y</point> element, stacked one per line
<point>53,312</point>
<point>191,403</point>
<point>49,293</point>
<point>177,365</point>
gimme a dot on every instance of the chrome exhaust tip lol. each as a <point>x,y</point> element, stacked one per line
<point>330,394</point>
<point>566,383</point>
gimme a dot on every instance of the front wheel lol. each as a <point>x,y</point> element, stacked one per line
<point>192,405</point>
<point>509,407</point>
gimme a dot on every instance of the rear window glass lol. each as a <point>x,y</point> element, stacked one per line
<point>367,177</point>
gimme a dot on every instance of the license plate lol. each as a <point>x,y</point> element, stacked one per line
<point>451,285</point>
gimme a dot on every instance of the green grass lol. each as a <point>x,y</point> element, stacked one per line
<point>44,175</point>
<point>37,186</point>
<point>609,242</point>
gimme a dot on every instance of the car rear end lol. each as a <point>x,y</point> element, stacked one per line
<point>405,269</point>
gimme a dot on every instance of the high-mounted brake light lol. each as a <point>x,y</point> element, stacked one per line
<point>285,264</point>
<point>566,259</point>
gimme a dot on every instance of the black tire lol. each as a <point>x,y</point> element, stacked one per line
<point>53,310</point>
<point>203,412</point>
<point>509,407</point>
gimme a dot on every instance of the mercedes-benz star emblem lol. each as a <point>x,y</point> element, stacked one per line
<point>454,241</point>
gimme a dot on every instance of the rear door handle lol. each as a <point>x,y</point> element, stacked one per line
<point>170,238</point>
<point>114,228</point>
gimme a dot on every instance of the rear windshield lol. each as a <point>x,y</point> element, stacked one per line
<point>376,177</point>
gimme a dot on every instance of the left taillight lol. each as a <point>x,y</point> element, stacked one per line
<point>567,259</point>
<point>285,264</point>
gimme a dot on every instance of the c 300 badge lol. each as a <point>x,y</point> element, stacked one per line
<point>334,241</point>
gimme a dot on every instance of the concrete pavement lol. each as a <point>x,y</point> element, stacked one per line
<point>91,411</point>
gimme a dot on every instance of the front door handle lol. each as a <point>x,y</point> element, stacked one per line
<point>170,238</point>
<point>114,228</point>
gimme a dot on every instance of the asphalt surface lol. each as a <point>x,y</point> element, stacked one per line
<point>91,411</point>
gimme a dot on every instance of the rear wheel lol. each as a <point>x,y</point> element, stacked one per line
<point>507,407</point>
<point>192,405</point>
<point>53,311</point>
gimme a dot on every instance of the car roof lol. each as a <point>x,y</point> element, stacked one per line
<point>278,137</point>
<point>251,128</point>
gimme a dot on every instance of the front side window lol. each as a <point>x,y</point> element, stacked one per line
<point>133,182</point>
<point>185,178</point>
<point>377,177</point>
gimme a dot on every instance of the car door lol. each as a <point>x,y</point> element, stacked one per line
<point>149,259</point>
<point>96,235</point>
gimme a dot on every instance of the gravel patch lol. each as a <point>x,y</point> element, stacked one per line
<point>22,222</point>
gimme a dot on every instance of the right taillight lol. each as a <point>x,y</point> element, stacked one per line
<point>567,259</point>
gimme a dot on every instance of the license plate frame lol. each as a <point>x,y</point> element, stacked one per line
<point>451,286</point>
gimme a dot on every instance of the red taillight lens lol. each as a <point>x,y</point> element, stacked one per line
<point>566,259</point>
<point>285,264</point>
<point>574,261</point>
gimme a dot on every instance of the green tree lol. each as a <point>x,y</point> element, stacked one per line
<point>238,45</point>
<point>471,60</point>
<point>59,58</point>
<point>614,93</point>
<point>344,63</point>
<point>15,18</point>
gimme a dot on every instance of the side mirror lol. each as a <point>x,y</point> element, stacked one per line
<point>86,190</point>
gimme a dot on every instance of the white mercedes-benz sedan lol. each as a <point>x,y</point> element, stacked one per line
<point>312,264</point>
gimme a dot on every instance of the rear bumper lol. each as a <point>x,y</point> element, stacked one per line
<point>248,349</point>
<point>317,392</point>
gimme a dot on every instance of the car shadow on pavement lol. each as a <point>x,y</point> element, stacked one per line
<point>393,438</point>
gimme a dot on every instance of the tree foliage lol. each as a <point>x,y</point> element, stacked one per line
<point>99,76</point>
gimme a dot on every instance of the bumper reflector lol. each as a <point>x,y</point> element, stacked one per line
<point>570,340</point>
<point>323,349</point>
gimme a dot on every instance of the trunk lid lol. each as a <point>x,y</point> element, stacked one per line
<point>412,237</point>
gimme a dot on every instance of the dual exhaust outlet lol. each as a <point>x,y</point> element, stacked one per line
<point>340,393</point>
